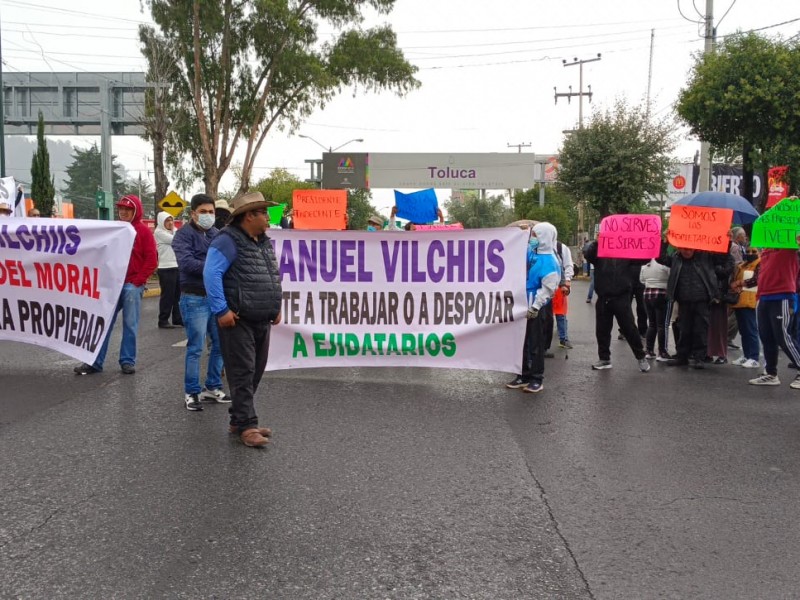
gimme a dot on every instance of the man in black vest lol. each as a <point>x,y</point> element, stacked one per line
<point>244,290</point>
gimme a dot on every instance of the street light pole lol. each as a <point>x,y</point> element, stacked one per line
<point>317,176</point>
<point>329,148</point>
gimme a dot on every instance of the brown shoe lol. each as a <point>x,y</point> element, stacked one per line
<point>265,431</point>
<point>252,438</point>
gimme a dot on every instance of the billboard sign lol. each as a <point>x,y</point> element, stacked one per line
<point>345,170</point>
<point>474,171</point>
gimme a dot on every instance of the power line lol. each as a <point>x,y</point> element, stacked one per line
<point>58,9</point>
<point>536,41</point>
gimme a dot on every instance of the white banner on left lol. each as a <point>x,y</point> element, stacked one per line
<point>60,280</point>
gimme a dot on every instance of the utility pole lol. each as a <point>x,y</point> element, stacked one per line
<point>2,117</point>
<point>650,73</point>
<point>705,148</point>
<point>580,93</point>
<point>519,146</point>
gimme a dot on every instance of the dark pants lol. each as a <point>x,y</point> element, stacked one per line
<point>641,310</point>
<point>549,323</point>
<point>168,304</point>
<point>748,327</point>
<point>606,310</point>
<point>245,349</point>
<point>693,325</point>
<point>775,331</point>
<point>533,351</point>
<point>656,322</point>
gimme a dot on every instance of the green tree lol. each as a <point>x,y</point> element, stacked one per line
<point>618,160</point>
<point>360,208</point>
<point>559,208</point>
<point>159,103</point>
<point>746,94</point>
<point>279,185</point>
<point>42,189</point>
<point>475,212</point>
<point>84,177</point>
<point>251,65</point>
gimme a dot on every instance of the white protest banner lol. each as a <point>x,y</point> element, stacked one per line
<point>60,280</point>
<point>450,299</point>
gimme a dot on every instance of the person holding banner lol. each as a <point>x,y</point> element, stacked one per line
<point>694,285</point>
<point>777,286</point>
<point>544,276</point>
<point>191,247</point>
<point>142,263</point>
<point>243,282</point>
<point>614,286</point>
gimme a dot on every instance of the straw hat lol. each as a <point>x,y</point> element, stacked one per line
<point>223,204</point>
<point>248,202</point>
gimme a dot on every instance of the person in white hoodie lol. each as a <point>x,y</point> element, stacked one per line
<point>167,273</point>
<point>655,276</point>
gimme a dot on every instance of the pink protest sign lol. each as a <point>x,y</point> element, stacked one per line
<point>630,236</point>
<point>442,227</point>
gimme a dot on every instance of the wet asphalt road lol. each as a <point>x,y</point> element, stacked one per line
<point>393,483</point>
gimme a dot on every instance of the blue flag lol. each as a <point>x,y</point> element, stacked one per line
<point>418,207</point>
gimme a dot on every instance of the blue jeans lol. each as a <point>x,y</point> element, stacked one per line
<point>130,303</point>
<point>199,322</point>
<point>561,323</point>
<point>591,285</point>
<point>748,329</point>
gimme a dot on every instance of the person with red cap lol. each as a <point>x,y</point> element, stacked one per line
<point>142,264</point>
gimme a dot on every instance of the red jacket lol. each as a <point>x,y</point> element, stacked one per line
<point>778,272</point>
<point>144,256</point>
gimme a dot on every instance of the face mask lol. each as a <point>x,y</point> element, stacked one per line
<point>205,221</point>
<point>533,244</point>
<point>371,228</point>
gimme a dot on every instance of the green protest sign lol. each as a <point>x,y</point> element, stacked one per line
<point>778,227</point>
<point>276,213</point>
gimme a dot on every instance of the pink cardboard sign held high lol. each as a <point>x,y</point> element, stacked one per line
<point>629,236</point>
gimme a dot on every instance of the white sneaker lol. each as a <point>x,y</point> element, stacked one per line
<point>766,379</point>
<point>739,362</point>
<point>217,396</point>
<point>644,366</point>
<point>795,385</point>
<point>751,364</point>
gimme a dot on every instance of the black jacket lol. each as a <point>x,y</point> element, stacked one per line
<point>714,271</point>
<point>612,276</point>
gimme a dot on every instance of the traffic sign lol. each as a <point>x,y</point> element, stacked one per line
<point>102,199</point>
<point>173,204</point>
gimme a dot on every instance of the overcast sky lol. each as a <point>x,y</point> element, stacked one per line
<point>487,69</point>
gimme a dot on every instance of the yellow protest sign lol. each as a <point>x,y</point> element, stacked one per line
<point>173,204</point>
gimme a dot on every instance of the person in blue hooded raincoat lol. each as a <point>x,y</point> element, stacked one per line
<point>544,275</point>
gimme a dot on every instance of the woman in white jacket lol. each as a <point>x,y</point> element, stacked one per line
<point>167,273</point>
<point>654,276</point>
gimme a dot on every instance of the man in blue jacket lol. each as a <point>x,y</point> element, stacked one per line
<point>244,290</point>
<point>190,244</point>
<point>544,275</point>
